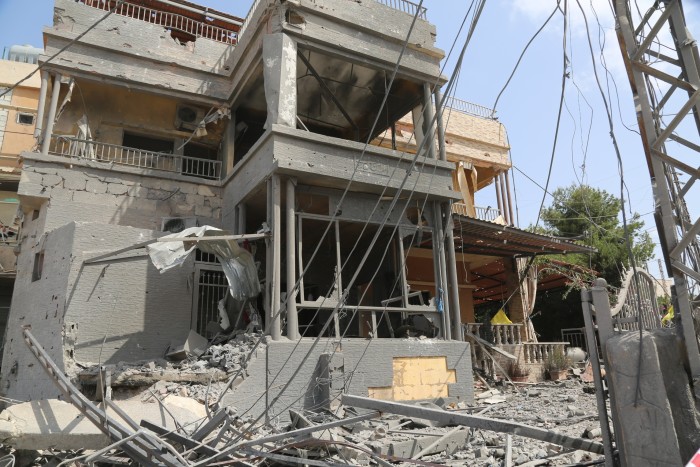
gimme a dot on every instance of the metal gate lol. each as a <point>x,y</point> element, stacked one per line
<point>210,286</point>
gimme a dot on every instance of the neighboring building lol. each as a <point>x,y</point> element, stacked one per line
<point>18,109</point>
<point>168,115</point>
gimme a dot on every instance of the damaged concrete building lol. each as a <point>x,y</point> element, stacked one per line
<point>166,116</point>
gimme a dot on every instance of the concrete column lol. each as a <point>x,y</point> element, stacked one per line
<point>275,324</point>
<point>292,317</point>
<point>228,146</point>
<point>497,183</point>
<point>510,199</point>
<point>42,105</point>
<point>504,199</point>
<point>280,76</point>
<point>241,218</point>
<point>440,267</point>
<point>52,114</point>
<point>442,149</point>
<point>428,124</point>
<point>455,308</point>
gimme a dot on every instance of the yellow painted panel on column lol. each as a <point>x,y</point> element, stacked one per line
<point>417,378</point>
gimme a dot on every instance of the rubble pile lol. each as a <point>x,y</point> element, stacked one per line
<point>227,356</point>
<point>350,435</point>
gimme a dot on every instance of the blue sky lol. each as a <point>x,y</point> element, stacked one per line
<point>528,108</point>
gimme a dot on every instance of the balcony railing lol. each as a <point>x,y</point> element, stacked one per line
<point>470,108</point>
<point>168,20</point>
<point>502,334</point>
<point>406,7</point>
<point>539,352</point>
<point>70,146</point>
<point>485,214</point>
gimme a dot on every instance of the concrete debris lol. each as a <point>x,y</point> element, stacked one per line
<point>524,430</point>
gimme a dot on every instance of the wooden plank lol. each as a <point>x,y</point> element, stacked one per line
<point>474,421</point>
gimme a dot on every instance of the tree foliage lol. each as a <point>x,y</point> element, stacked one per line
<point>591,216</point>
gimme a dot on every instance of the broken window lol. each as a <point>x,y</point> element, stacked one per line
<point>25,118</point>
<point>379,301</point>
<point>38,266</point>
<point>147,143</point>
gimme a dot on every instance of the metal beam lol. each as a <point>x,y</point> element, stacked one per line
<point>328,91</point>
<point>474,421</point>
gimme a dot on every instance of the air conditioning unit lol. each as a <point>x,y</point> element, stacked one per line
<point>178,224</point>
<point>188,117</point>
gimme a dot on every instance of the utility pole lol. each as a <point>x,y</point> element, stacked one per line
<point>662,64</point>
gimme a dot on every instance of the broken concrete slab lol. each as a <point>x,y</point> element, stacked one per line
<point>54,424</point>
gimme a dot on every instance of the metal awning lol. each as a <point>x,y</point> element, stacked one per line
<point>489,238</point>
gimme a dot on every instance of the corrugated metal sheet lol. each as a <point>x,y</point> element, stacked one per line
<point>488,238</point>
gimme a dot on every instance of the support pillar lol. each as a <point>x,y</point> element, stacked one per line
<point>455,308</point>
<point>228,145</point>
<point>440,268</point>
<point>42,106</point>
<point>241,218</point>
<point>275,318</point>
<point>497,183</point>
<point>428,128</point>
<point>46,141</point>
<point>280,79</point>
<point>292,317</point>
<point>442,149</point>
<point>510,199</point>
<point>504,199</point>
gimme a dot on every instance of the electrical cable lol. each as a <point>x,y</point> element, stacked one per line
<point>561,103</point>
<point>377,234</point>
<point>76,39</point>
<point>628,241</point>
<point>522,54</point>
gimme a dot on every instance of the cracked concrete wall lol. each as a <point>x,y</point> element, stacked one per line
<point>92,193</point>
<point>120,310</point>
<point>369,30</point>
<point>366,364</point>
<point>41,304</point>
<point>133,50</point>
<point>280,79</point>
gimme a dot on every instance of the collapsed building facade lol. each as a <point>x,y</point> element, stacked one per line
<point>166,116</point>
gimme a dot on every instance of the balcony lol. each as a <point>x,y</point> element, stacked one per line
<point>69,146</point>
<point>488,214</point>
<point>470,108</point>
<point>172,21</point>
<point>406,7</point>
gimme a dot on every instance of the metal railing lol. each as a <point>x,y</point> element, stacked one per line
<point>168,20</point>
<point>485,214</point>
<point>501,334</point>
<point>470,108</point>
<point>406,7</point>
<point>70,146</point>
<point>576,337</point>
<point>249,16</point>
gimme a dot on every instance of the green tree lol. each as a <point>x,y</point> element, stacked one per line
<point>593,217</point>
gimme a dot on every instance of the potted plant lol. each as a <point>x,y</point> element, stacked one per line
<point>557,365</point>
<point>517,372</point>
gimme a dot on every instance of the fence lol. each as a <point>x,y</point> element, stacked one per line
<point>406,7</point>
<point>539,352</point>
<point>168,20</point>
<point>70,146</point>
<point>500,334</point>
<point>485,214</point>
<point>576,337</point>
<point>470,108</point>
